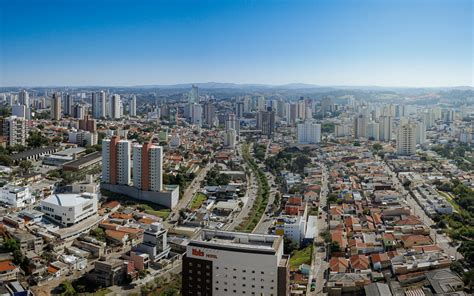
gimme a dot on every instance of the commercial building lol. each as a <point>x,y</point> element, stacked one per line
<point>82,138</point>
<point>266,122</point>
<point>56,107</point>
<point>309,133</point>
<point>406,139</point>
<point>116,155</point>
<point>148,167</point>
<point>69,209</point>
<point>155,242</point>
<point>231,263</point>
<point>16,196</point>
<point>83,162</point>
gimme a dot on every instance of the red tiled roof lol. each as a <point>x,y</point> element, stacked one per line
<point>7,265</point>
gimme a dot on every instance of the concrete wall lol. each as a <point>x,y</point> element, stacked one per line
<point>167,199</point>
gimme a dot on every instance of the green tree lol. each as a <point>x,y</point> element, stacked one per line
<point>377,147</point>
<point>67,289</point>
<point>26,166</point>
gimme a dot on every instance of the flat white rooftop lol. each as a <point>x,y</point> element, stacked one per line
<point>69,199</point>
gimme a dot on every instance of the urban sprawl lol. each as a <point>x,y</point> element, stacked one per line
<point>236,191</point>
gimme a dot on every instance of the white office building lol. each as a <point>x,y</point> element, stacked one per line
<point>308,133</point>
<point>16,196</point>
<point>155,242</point>
<point>69,209</point>
<point>343,130</point>
<point>82,138</point>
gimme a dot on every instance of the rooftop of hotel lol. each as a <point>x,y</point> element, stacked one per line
<point>237,240</point>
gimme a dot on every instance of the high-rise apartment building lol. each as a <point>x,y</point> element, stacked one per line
<point>373,131</point>
<point>406,139</point>
<point>68,103</point>
<point>196,114</point>
<point>239,109</point>
<point>115,107</point>
<point>230,138</point>
<point>15,130</point>
<point>133,106</point>
<point>209,111</point>
<point>88,124</point>
<point>56,107</point>
<point>116,156</point>
<point>386,128</point>
<point>326,105</point>
<point>78,111</point>
<point>24,98</point>
<point>232,122</point>
<point>232,263</point>
<point>266,122</point>
<point>193,95</point>
<point>360,126</point>
<point>308,133</point>
<point>148,167</point>
<point>98,104</point>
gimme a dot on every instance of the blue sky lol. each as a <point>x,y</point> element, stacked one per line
<point>358,42</point>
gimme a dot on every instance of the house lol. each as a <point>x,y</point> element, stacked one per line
<point>360,263</point>
<point>415,240</point>
<point>380,261</point>
<point>339,264</point>
<point>8,271</point>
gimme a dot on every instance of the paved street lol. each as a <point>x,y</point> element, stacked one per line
<point>319,263</point>
<point>438,239</point>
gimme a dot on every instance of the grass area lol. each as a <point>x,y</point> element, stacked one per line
<point>451,201</point>
<point>148,207</point>
<point>197,201</point>
<point>302,256</point>
<point>163,213</point>
<point>102,292</point>
<point>260,203</point>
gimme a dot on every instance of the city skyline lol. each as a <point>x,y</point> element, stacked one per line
<point>350,43</point>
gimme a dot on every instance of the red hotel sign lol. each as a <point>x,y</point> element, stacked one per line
<point>199,253</point>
